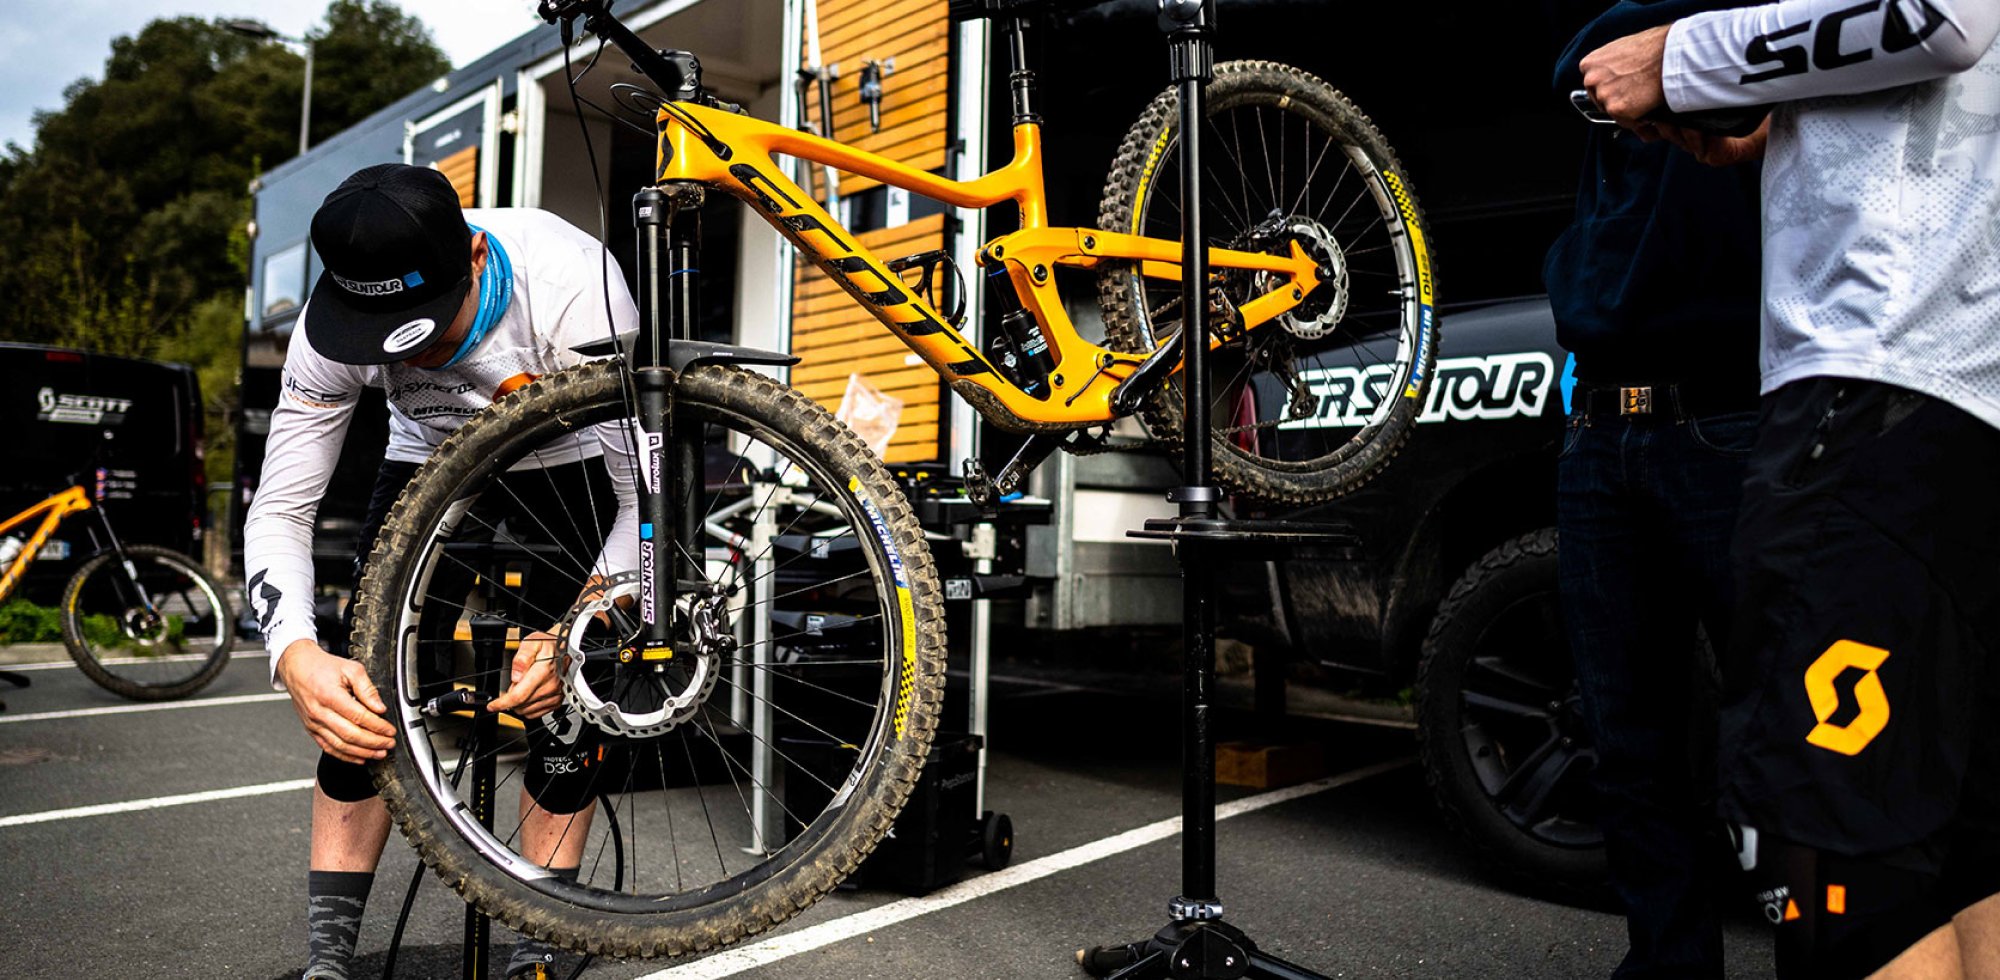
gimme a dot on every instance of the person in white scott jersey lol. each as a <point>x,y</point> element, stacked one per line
<point>1860,758</point>
<point>445,311</point>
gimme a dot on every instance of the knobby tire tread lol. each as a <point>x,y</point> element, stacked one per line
<point>788,891</point>
<point>1440,678</point>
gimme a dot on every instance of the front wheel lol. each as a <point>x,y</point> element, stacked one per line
<point>746,771</point>
<point>1314,403</point>
<point>152,627</point>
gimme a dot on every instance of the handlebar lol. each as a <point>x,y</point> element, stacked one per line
<point>672,74</point>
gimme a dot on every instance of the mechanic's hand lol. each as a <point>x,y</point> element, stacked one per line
<point>336,702</point>
<point>1716,150</point>
<point>536,690</point>
<point>1624,76</point>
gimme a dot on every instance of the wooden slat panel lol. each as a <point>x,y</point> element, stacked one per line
<point>462,169</point>
<point>838,14</point>
<point>834,336</point>
<point>889,41</point>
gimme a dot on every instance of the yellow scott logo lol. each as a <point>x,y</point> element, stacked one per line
<point>1851,738</point>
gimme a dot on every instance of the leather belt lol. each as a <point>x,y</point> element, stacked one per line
<point>1668,402</point>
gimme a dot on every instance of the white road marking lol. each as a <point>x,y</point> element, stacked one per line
<point>119,661</point>
<point>126,709</point>
<point>161,802</point>
<point>158,802</point>
<point>731,962</point>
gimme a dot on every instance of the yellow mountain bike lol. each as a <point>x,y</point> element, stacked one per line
<point>143,622</point>
<point>750,706</point>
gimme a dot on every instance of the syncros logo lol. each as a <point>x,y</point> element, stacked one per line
<point>1498,386</point>
<point>1870,700</point>
<point>853,270</point>
<point>1796,48</point>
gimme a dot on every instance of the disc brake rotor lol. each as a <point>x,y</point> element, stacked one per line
<point>635,698</point>
<point>1323,309</point>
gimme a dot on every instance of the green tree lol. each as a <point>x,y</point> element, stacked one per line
<point>123,229</point>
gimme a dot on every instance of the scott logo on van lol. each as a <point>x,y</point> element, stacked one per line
<point>81,409</point>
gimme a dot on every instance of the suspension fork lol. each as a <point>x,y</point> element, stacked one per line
<point>117,549</point>
<point>668,220</point>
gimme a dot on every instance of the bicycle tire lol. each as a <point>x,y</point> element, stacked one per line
<point>820,852</point>
<point>1365,436</point>
<point>101,618</point>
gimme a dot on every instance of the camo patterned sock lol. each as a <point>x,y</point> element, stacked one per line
<point>334,903</point>
<point>529,952</point>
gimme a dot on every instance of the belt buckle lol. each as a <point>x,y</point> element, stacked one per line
<point>1635,401</point>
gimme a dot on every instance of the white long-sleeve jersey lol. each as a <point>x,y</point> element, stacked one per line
<point>1881,183</point>
<point>559,303</point>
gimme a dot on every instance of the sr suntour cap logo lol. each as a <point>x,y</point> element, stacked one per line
<point>385,287</point>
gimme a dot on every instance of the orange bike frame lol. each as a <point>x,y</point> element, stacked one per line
<point>735,156</point>
<point>53,511</point>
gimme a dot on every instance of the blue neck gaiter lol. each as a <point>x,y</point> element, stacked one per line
<point>496,290</point>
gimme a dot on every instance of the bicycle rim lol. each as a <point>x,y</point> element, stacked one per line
<point>151,627</point>
<point>744,782</point>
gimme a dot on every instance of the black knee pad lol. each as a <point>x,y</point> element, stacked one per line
<point>344,782</point>
<point>564,778</point>
<point>1838,917</point>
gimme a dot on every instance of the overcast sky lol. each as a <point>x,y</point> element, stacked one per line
<point>47,44</point>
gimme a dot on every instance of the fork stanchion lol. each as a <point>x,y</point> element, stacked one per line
<point>1197,944</point>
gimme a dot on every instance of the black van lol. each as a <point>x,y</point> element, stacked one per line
<point>69,412</point>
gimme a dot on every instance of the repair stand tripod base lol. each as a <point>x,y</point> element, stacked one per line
<point>1192,949</point>
<point>1197,944</point>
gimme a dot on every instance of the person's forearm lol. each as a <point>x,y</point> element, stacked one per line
<point>304,444</point>
<point>1802,49</point>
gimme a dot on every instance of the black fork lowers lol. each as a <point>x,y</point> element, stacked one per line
<point>668,220</point>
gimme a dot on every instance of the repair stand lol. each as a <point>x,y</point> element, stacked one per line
<point>1197,944</point>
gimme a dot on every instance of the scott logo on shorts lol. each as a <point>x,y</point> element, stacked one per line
<point>1873,716</point>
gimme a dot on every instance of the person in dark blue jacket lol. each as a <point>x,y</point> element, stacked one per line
<point>1655,287</point>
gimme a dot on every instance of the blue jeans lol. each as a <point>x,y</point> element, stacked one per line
<point>1644,511</point>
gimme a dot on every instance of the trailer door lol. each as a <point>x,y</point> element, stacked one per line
<point>463,143</point>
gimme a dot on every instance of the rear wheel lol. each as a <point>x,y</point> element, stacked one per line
<point>151,628</point>
<point>747,773</point>
<point>1313,404</point>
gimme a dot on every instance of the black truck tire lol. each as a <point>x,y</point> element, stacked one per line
<point>1503,747</point>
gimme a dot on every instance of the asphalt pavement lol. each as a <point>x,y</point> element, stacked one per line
<point>170,841</point>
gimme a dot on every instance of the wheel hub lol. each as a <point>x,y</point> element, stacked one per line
<point>1322,310</point>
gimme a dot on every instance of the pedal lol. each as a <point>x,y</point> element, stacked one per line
<point>979,488</point>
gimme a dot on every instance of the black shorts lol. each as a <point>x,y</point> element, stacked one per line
<point>1860,713</point>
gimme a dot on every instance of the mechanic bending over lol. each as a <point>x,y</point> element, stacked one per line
<point>1861,725</point>
<point>445,317</point>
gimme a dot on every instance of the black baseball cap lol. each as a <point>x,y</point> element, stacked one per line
<point>398,259</point>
